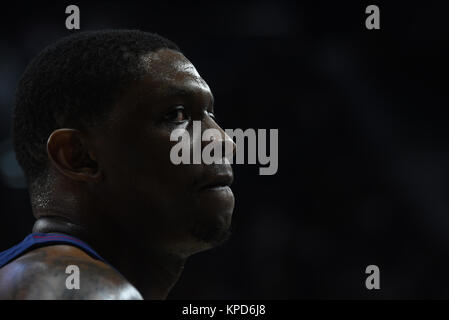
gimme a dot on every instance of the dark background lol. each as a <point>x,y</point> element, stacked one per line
<point>363,139</point>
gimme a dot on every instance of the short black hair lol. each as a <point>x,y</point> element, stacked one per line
<point>72,84</point>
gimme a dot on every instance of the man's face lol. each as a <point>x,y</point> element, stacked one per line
<point>186,206</point>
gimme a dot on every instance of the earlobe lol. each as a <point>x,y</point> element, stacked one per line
<point>68,153</point>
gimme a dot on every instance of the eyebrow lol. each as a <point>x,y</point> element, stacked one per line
<point>183,91</point>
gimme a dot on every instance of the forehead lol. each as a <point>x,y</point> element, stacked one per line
<point>168,76</point>
<point>168,68</point>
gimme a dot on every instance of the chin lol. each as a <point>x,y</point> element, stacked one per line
<point>211,219</point>
<point>213,230</point>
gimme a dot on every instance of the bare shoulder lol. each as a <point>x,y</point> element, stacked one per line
<point>63,272</point>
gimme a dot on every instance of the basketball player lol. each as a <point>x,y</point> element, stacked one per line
<point>92,124</point>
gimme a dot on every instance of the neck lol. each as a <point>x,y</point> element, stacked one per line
<point>152,270</point>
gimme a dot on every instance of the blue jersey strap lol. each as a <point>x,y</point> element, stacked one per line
<point>35,240</point>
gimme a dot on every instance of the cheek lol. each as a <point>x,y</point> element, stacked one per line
<point>155,174</point>
<point>140,170</point>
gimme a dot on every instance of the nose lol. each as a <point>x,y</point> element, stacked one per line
<point>218,135</point>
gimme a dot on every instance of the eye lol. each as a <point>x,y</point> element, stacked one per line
<point>177,115</point>
<point>212,115</point>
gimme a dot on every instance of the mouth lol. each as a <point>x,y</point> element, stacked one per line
<point>218,182</point>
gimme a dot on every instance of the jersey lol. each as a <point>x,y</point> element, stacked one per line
<point>36,240</point>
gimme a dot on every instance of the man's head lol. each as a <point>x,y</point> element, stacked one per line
<point>92,124</point>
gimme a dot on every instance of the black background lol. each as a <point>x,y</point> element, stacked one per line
<point>363,139</point>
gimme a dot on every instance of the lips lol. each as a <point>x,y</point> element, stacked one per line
<point>217,182</point>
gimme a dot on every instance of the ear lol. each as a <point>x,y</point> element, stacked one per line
<point>69,154</point>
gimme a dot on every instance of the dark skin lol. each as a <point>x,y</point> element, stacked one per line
<point>115,187</point>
